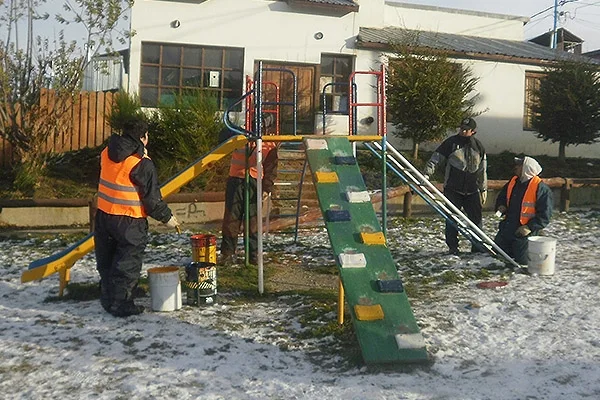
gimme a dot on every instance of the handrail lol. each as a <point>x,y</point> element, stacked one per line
<point>324,98</point>
<point>447,208</point>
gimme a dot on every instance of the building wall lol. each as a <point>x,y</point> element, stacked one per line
<point>271,31</point>
<point>461,22</point>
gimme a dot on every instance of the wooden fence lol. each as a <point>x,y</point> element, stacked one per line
<point>89,126</point>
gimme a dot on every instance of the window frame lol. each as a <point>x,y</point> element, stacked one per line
<point>336,91</point>
<point>225,95</point>
<point>532,82</point>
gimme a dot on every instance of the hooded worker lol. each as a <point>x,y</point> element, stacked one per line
<point>234,214</point>
<point>128,192</point>
<point>525,203</point>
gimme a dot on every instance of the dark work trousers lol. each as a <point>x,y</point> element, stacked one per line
<point>471,205</point>
<point>233,218</point>
<point>514,246</point>
<point>120,242</point>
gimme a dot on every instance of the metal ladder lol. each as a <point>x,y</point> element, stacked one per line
<point>436,199</point>
<point>292,185</point>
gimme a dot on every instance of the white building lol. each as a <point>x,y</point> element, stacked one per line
<point>217,43</point>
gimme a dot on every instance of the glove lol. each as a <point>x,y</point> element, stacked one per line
<point>523,231</point>
<point>483,197</point>
<point>426,177</point>
<point>172,222</point>
<point>265,196</point>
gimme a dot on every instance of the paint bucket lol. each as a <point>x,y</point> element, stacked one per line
<point>541,251</point>
<point>201,283</point>
<point>165,288</point>
<point>204,248</point>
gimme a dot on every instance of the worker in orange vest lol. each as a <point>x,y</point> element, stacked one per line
<point>525,204</point>
<point>128,192</point>
<point>234,195</point>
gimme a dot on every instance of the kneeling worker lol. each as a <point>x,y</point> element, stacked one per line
<point>526,204</point>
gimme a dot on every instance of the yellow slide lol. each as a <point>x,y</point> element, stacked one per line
<point>62,261</point>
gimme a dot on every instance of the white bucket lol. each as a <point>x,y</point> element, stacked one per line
<point>541,251</point>
<point>165,288</point>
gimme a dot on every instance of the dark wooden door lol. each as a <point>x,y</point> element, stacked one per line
<point>284,80</point>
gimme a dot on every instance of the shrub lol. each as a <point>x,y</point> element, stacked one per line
<point>182,132</point>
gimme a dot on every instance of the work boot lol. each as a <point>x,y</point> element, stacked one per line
<point>477,248</point>
<point>454,251</point>
<point>105,296</point>
<point>126,309</point>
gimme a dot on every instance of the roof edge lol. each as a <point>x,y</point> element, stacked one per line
<point>323,5</point>
<point>396,3</point>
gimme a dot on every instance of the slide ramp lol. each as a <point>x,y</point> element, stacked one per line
<point>383,319</point>
<point>62,261</point>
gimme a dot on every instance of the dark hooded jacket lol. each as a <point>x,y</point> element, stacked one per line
<point>143,175</point>
<point>465,164</point>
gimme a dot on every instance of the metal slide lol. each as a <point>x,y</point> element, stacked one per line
<point>62,261</point>
<point>436,199</point>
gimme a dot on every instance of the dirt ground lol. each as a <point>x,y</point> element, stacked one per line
<point>288,278</point>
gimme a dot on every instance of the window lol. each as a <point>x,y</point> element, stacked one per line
<point>169,70</point>
<point>335,73</point>
<point>532,83</point>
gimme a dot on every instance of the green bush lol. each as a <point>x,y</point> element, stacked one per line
<point>182,132</point>
<point>125,107</point>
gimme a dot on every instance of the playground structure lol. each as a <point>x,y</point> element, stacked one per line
<point>369,282</point>
<point>63,261</point>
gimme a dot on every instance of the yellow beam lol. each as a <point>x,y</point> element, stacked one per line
<point>196,169</point>
<point>62,263</point>
<point>299,138</point>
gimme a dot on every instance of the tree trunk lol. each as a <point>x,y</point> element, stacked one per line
<point>561,152</point>
<point>415,150</point>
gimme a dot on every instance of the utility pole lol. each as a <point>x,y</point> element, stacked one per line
<point>554,33</point>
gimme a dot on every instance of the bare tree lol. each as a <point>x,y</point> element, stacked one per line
<point>39,77</point>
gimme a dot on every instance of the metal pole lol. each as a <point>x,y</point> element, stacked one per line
<point>382,121</point>
<point>554,33</point>
<point>259,172</point>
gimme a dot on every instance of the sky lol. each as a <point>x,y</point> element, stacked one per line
<point>580,17</point>
<point>536,338</point>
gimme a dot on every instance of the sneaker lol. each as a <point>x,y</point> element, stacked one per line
<point>454,251</point>
<point>126,309</point>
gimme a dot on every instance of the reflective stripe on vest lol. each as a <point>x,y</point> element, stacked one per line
<point>237,167</point>
<point>529,199</point>
<point>117,195</point>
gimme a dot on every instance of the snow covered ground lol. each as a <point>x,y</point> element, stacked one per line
<point>536,338</point>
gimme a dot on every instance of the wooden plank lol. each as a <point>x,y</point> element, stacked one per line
<point>75,125</point>
<point>92,113</point>
<point>109,98</point>
<point>99,119</point>
<point>83,120</point>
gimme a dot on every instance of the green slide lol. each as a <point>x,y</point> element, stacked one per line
<point>383,320</point>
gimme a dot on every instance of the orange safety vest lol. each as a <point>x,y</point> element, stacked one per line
<point>117,195</point>
<point>529,199</point>
<point>237,167</point>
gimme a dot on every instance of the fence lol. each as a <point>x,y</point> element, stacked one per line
<point>89,125</point>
